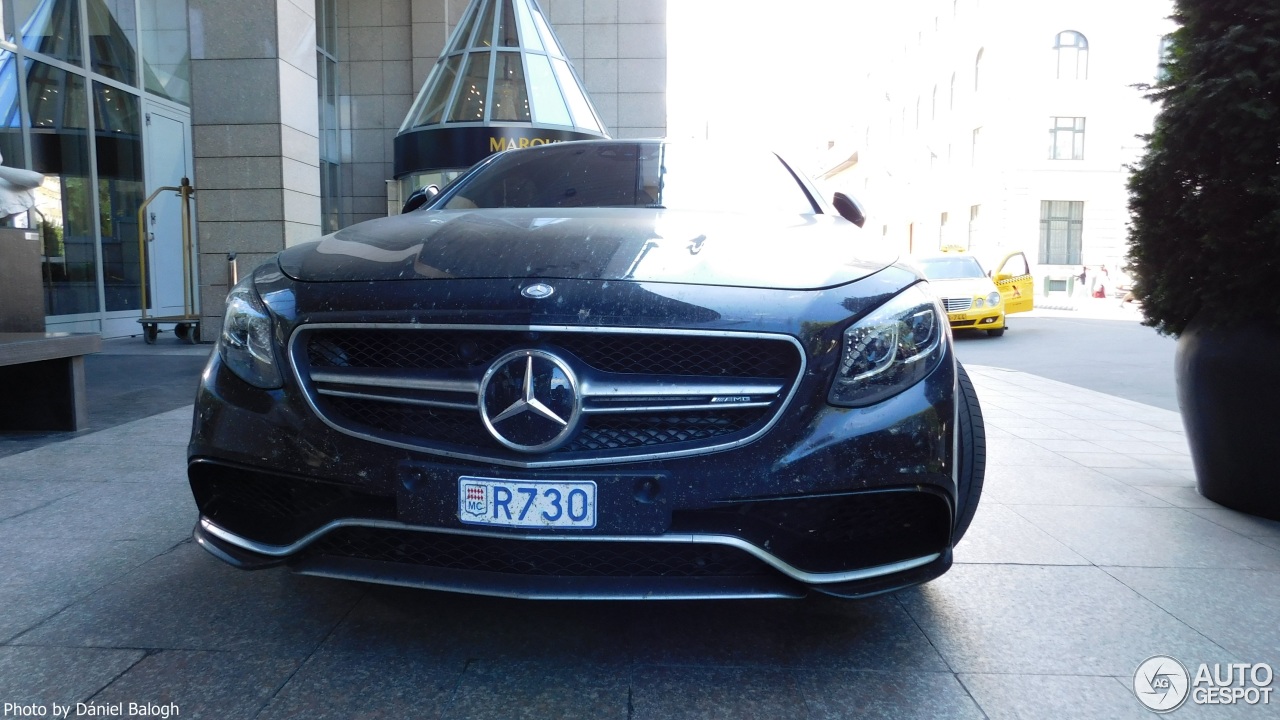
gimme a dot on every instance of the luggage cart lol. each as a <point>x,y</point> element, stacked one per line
<point>186,326</point>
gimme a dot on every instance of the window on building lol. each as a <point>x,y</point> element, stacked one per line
<point>942,230</point>
<point>1066,138</point>
<point>917,113</point>
<point>973,154</point>
<point>951,101</point>
<point>331,215</point>
<point>1072,54</point>
<point>977,71</point>
<point>933,105</point>
<point>973,224</point>
<point>1061,229</point>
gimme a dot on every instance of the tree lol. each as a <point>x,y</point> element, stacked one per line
<point>1205,198</point>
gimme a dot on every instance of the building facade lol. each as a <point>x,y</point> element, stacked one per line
<point>282,113</point>
<point>1000,125</point>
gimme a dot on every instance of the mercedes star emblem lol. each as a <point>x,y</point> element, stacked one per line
<point>537,291</point>
<point>529,400</point>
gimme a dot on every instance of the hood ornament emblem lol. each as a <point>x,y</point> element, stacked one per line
<point>538,291</point>
<point>530,401</point>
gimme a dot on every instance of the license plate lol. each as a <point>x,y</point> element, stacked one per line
<point>956,317</point>
<point>522,503</point>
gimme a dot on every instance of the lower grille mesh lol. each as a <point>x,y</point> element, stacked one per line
<point>557,558</point>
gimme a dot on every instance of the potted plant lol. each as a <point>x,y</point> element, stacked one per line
<point>1204,244</point>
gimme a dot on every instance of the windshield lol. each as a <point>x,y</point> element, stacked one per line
<point>646,175</point>
<point>951,268</point>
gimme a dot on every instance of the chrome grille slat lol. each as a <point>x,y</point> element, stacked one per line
<point>417,387</point>
<point>958,304</point>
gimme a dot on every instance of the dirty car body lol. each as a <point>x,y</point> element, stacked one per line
<point>591,370</point>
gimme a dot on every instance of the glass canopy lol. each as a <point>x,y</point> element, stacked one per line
<point>504,65</point>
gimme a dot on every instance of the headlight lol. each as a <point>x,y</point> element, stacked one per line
<point>889,350</point>
<point>246,345</point>
<point>979,302</point>
<point>993,299</point>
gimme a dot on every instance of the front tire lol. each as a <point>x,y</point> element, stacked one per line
<point>996,333</point>
<point>971,459</point>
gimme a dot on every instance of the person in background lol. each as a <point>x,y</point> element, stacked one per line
<point>1101,281</point>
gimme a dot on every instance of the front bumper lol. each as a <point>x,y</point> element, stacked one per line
<point>977,319</point>
<point>851,502</point>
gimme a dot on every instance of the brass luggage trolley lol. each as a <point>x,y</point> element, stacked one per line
<point>187,325</point>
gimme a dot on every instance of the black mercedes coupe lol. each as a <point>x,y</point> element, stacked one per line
<point>602,369</point>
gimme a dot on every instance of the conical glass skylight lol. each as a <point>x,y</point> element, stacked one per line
<point>503,65</point>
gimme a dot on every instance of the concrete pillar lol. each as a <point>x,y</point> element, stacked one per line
<point>255,128</point>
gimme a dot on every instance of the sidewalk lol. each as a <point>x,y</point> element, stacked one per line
<point>1091,552</point>
<point>1060,305</point>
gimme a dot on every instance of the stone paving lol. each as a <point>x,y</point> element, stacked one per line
<point>1090,552</point>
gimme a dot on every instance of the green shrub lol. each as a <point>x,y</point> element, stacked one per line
<point>1205,197</point>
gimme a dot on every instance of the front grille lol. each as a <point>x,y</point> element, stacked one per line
<point>616,432</point>
<point>547,558</point>
<point>688,355</point>
<point>958,304</point>
<point>642,393</point>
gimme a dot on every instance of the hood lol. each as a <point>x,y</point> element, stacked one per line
<point>636,244</point>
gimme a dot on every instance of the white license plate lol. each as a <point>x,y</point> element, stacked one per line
<point>521,503</point>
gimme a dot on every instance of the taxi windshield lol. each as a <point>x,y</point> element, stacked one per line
<point>951,268</point>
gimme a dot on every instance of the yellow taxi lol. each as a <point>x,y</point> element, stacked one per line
<point>975,299</point>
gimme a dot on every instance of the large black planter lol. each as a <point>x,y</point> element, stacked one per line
<point>1229,392</point>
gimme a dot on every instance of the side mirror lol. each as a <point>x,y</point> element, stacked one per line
<point>849,209</point>
<point>419,197</point>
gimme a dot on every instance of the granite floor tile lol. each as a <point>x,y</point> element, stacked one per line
<point>1063,697</point>
<point>1076,485</point>
<point>1069,445</point>
<point>1247,525</point>
<point>47,675</point>
<point>1033,620</point>
<point>1150,434</point>
<point>1149,537</point>
<point>68,461</point>
<point>168,428</point>
<point>106,511</point>
<point>26,608</point>
<point>187,600</point>
<point>18,496</point>
<point>1106,460</point>
<point>212,685</point>
<point>871,634</point>
<point>1237,609</point>
<point>531,691</point>
<point>459,627</point>
<point>832,694</point>
<point>1178,496</point>
<point>999,535</point>
<point>1028,430</point>
<point>1137,447</point>
<point>1147,476</point>
<point>728,693</point>
<point>374,683</point>
<point>40,577</point>
<point>1168,461</point>
<point>718,633</point>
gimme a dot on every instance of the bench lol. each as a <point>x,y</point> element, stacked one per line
<point>42,380</point>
